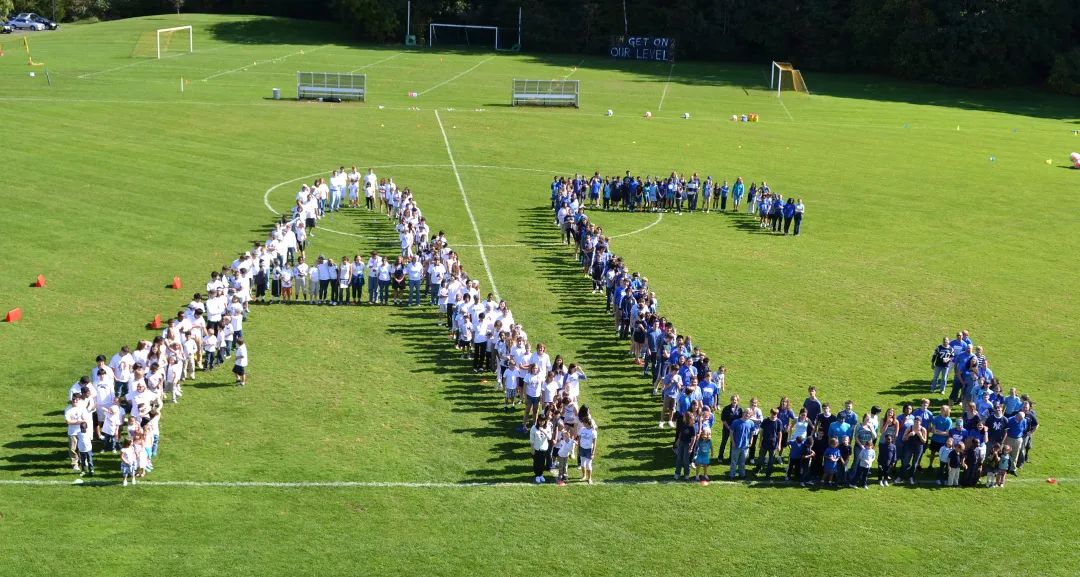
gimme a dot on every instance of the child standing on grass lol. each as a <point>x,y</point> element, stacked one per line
<point>110,428</point>
<point>886,461</point>
<point>86,450</point>
<point>1002,468</point>
<point>152,431</point>
<point>943,460</point>
<point>956,464</point>
<point>587,444</point>
<point>703,454</point>
<point>564,446</point>
<point>241,362</point>
<point>128,462</point>
<point>832,462</point>
<point>209,347</point>
<point>865,461</point>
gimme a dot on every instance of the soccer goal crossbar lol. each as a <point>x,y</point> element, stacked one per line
<point>462,33</point>
<point>776,78</point>
<point>168,34</point>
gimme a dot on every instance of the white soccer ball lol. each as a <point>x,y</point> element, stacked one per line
<point>33,74</point>
<point>610,112</point>
<point>648,114</point>
<point>686,115</point>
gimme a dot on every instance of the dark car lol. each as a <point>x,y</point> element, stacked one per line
<point>49,24</point>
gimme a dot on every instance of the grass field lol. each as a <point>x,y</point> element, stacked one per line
<point>117,181</point>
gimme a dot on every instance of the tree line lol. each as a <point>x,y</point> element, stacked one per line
<point>963,42</point>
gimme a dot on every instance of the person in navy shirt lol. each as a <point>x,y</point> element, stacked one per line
<point>1032,426</point>
<point>812,405</point>
<point>770,442</point>
<point>729,414</point>
<point>789,214</point>
<point>996,424</point>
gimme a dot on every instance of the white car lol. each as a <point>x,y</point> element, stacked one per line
<point>22,22</point>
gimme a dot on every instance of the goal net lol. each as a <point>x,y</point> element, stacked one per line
<point>784,76</point>
<point>164,42</point>
<point>472,36</point>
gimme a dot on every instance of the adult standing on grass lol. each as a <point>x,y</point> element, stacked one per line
<point>728,415</point>
<point>800,208</point>
<point>812,404</point>
<point>940,361</point>
<point>742,431</point>
<point>789,215</point>
<point>75,416</point>
<point>737,193</point>
<point>540,439</point>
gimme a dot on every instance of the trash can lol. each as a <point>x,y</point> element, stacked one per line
<point>277,94</point>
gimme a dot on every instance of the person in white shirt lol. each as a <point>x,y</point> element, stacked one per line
<point>587,443</point>
<point>540,440</point>
<point>414,272</point>
<point>241,363</point>
<point>534,383</point>
<point>354,188</point>
<point>121,365</point>
<point>300,272</point>
<point>75,416</point>
<point>370,184</point>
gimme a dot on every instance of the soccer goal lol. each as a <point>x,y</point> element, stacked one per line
<point>794,78</point>
<point>160,42</point>
<point>473,36</point>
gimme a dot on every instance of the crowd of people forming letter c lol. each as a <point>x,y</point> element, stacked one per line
<point>119,405</point>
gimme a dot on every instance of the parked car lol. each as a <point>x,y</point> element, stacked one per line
<point>5,28</point>
<point>49,24</point>
<point>21,22</point>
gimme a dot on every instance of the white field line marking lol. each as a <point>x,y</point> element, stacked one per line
<point>270,61</point>
<point>468,209</point>
<point>121,67</point>
<point>642,229</point>
<point>790,117</point>
<point>455,77</point>
<point>376,63</point>
<point>266,195</point>
<point>424,485</point>
<point>666,84</point>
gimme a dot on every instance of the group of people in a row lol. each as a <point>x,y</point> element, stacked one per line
<point>119,405</point>
<point>676,193</point>
<point>991,438</point>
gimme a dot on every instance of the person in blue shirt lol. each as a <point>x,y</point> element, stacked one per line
<point>886,461</point>
<point>848,415</point>
<point>832,463</point>
<point>709,392</point>
<point>939,430</point>
<point>555,186</point>
<point>839,429</point>
<point>1015,428</point>
<point>737,193</point>
<point>706,193</point>
<point>812,404</point>
<point>595,184</point>
<point>671,393</point>
<point>742,430</point>
<point>1029,430</point>
<point>789,215</point>
<point>962,364</point>
<point>721,195</point>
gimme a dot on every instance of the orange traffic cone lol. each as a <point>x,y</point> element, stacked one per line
<point>176,282</point>
<point>13,315</point>
<point>156,323</point>
<point>40,282</point>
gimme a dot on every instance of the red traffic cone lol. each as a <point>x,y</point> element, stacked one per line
<point>176,282</point>
<point>40,282</point>
<point>13,315</point>
<point>156,323</point>
<point>1052,481</point>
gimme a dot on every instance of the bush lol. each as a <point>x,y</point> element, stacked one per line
<point>1065,73</point>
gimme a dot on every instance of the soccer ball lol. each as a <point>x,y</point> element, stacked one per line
<point>648,114</point>
<point>610,112</point>
<point>686,115</point>
<point>33,74</point>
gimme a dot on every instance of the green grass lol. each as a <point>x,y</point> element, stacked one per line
<point>116,182</point>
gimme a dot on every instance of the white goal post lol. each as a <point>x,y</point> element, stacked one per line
<point>462,30</point>
<point>191,39</point>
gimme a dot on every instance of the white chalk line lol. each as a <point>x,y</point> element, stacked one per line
<point>666,84</point>
<point>455,77</point>
<point>436,484</point>
<point>468,209</point>
<point>269,61</point>
<point>144,61</point>
<point>376,63</point>
<point>266,195</point>
<point>790,117</point>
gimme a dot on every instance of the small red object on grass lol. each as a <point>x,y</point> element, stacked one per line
<point>156,323</point>
<point>13,315</point>
<point>176,282</point>
<point>40,282</point>
<point>1052,481</point>
<point>704,483</point>
<point>561,483</point>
